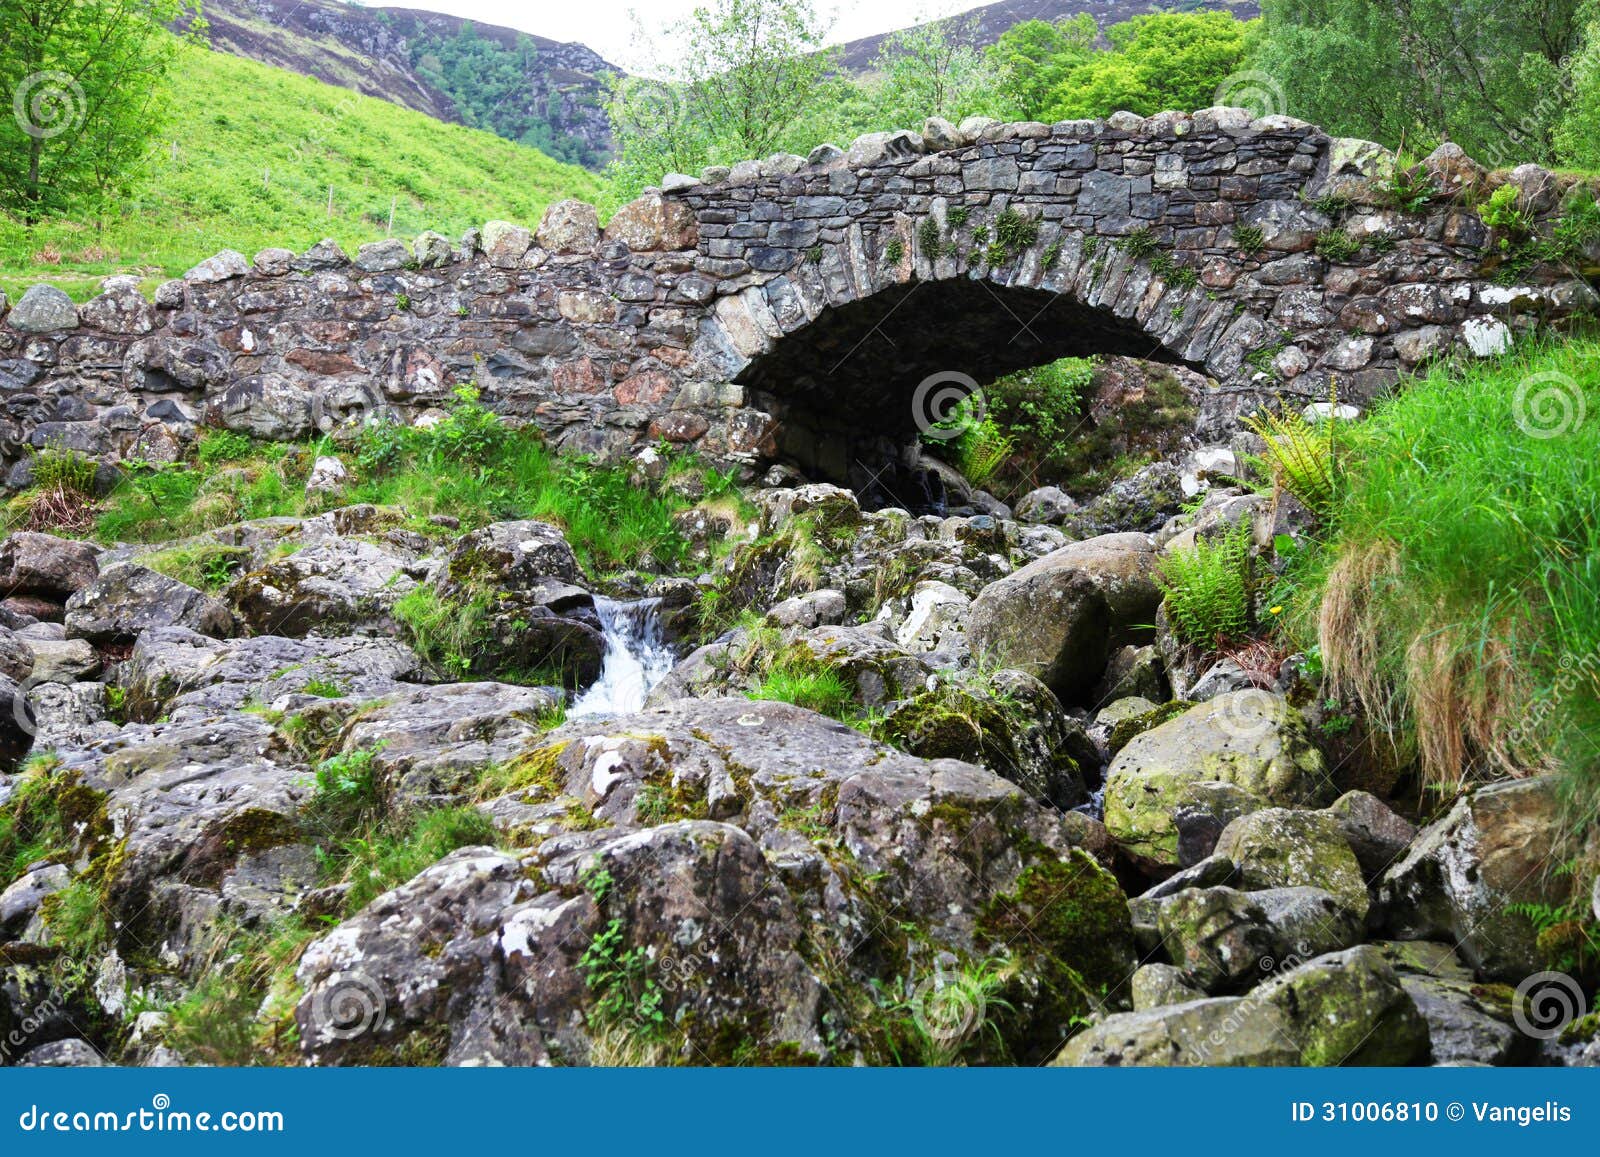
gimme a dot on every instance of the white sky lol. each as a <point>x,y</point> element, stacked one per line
<point>607,27</point>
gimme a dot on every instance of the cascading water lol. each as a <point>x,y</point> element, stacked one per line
<point>637,657</point>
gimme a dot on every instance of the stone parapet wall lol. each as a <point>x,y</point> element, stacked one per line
<point>816,292</point>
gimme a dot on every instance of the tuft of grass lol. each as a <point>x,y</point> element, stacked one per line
<point>372,865</point>
<point>805,684</point>
<point>1457,595</point>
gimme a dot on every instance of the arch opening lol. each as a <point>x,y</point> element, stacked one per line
<point>843,388</point>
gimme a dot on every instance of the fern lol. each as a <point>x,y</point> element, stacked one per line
<point>1210,590</point>
<point>1302,457</point>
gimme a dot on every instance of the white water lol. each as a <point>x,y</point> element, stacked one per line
<point>637,658</point>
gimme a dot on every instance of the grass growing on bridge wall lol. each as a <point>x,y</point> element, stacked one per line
<point>247,164</point>
<point>1458,591</point>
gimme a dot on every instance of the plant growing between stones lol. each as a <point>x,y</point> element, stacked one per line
<point>1249,239</point>
<point>1301,457</point>
<point>1336,245</point>
<point>1210,590</point>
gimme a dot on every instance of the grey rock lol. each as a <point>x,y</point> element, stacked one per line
<point>128,599</point>
<point>43,309</point>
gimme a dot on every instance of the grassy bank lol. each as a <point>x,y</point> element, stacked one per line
<point>1456,593</point>
<point>248,163</point>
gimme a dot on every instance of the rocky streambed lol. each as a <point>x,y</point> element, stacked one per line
<point>1025,826</point>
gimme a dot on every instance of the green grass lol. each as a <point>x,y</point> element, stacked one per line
<point>472,467</point>
<point>1457,595</point>
<point>247,164</point>
<point>805,685</point>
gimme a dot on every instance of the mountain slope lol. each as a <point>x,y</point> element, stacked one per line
<point>856,56</point>
<point>552,94</point>
<point>248,162</point>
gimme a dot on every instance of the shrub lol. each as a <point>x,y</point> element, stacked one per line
<point>1210,590</point>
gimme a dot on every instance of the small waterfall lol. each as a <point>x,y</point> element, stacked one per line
<point>637,658</point>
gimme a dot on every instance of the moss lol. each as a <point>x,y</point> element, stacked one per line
<point>1127,730</point>
<point>539,768</point>
<point>1067,922</point>
<point>419,1049</point>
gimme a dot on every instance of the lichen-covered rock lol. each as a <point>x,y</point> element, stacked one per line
<point>1058,617</point>
<point>176,672</point>
<point>1252,742</point>
<point>874,669</point>
<point>1157,985</point>
<point>1219,937</point>
<point>339,586</point>
<point>1469,1022</point>
<point>1464,875</point>
<point>1009,722</point>
<point>1349,1008</point>
<point>429,743</point>
<point>1282,848</point>
<point>47,566</point>
<point>128,599</point>
<point>43,309</point>
<point>1221,1031</point>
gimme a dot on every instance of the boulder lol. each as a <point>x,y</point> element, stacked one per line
<point>1058,617</point>
<point>875,670</point>
<point>336,586</point>
<point>382,256</point>
<point>1220,1031</point>
<point>1465,876</point>
<point>1156,985</point>
<point>1219,937</point>
<point>1376,835</point>
<point>711,842</point>
<point>19,903</point>
<point>62,661</point>
<point>569,226</point>
<point>1047,505</point>
<point>47,566</point>
<point>1346,1008</point>
<point>1240,752</point>
<point>506,244</point>
<point>514,556</point>
<point>1349,1008</point>
<point>175,672</point>
<point>43,309</point>
<point>1281,848</point>
<point>128,599</point>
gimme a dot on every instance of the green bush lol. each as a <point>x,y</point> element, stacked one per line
<point>60,468</point>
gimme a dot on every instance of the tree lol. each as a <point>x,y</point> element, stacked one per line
<point>932,69</point>
<point>753,66</point>
<point>85,81</point>
<point>1578,134</point>
<point>745,72</point>
<point>1493,75</point>
<point>1158,61</point>
<point>1030,59</point>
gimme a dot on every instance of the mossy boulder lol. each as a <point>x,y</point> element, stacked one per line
<point>1282,847</point>
<point>1349,1008</point>
<point>1251,741</point>
<point>1011,723</point>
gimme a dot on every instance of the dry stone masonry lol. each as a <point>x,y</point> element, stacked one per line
<point>790,307</point>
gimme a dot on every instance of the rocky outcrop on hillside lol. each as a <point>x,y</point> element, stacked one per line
<point>375,51</point>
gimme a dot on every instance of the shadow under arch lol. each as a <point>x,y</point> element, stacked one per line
<point>843,385</point>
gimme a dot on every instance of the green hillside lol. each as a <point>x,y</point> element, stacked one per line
<point>247,163</point>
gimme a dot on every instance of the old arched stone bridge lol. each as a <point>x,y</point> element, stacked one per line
<point>790,307</point>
